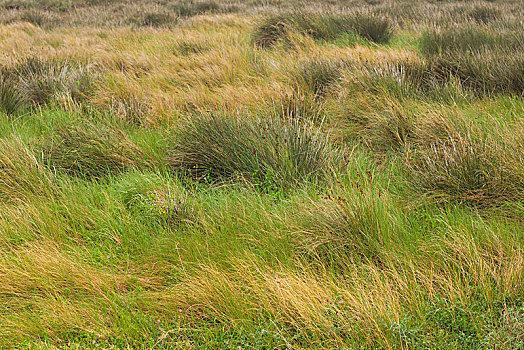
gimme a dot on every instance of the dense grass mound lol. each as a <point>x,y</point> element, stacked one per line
<point>268,151</point>
<point>193,8</point>
<point>41,80</point>
<point>468,38</point>
<point>469,169</point>
<point>92,151</point>
<point>322,27</point>
<point>12,99</point>
<point>316,76</point>
<point>483,61</point>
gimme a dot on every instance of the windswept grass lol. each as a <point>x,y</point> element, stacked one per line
<point>261,175</point>
<point>91,151</point>
<point>22,174</point>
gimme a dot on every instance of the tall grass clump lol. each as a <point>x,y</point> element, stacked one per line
<point>470,39</point>
<point>269,151</point>
<point>379,122</point>
<point>316,75</point>
<point>11,98</point>
<point>484,14</point>
<point>193,8</point>
<point>297,104</point>
<point>323,26</point>
<point>484,62</point>
<point>22,175</point>
<point>91,151</point>
<point>270,30</point>
<point>156,19</point>
<point>374,28</point>
<point>470,169</point>
<point>42,80</point>
<point>354,219</point>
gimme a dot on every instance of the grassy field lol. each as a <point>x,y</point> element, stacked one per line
<point>262,174</point>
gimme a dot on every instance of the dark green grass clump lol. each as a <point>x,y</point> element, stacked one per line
<point>156,19</point>
<point>92,151</point>
<point>268,151</point>
<point>484,14</point>
<point>324,27</point>
<point>193,8</point>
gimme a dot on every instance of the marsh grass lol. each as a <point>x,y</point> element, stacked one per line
<point>269,151</point>
<point>317,76</point>
<point>41,80</point>
<point>353,220</point>
<point>155,19</point>
<point>11,99</point>
<point>91,151</point>
<point>325,27</point>
<point>327,193</point>
<point>193,8</point>
<point>483,61</point>
<point>22,174</point>
<point>469,169</point>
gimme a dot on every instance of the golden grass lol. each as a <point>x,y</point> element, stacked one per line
<point>147,65</point>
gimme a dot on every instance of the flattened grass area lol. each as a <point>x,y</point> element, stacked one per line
<point>261,175</point>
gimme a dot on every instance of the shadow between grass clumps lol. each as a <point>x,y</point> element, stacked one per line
<point>273,154</point>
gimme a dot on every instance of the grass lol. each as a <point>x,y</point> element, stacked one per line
<point>483,61</point>
<point>327,27</point>
<point>91,151</point>
<point>42,81</point>
<point>261,175</point>
<point>273,153</point>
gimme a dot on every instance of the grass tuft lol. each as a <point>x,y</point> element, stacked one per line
<point>193,8</point>
<point>324,26</point>
<point>11,99</point>
<point>42,80</point>
<point>92,151</point>
<point>316,75</point>
<point>374,28</point>
<point>468,169</point>
<point>269,151</point>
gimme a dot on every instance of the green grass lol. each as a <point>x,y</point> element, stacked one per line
<point>263,175</point>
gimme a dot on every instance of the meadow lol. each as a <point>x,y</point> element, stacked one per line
<point>262,174</point>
